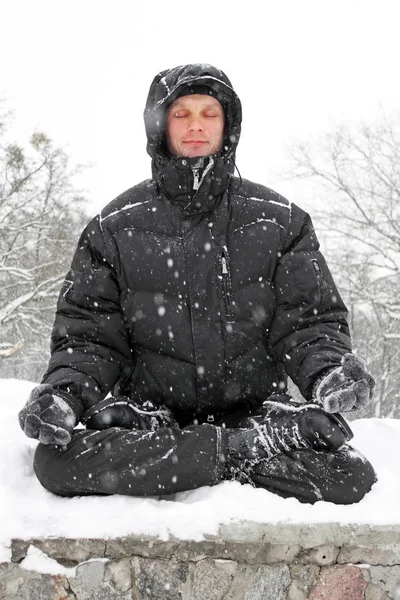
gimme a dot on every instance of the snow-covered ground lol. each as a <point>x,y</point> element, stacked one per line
<point>27,510</point>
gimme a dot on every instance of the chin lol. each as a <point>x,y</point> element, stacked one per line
<point>196,153</point>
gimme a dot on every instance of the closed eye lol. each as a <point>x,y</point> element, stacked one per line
<point>181,113</point>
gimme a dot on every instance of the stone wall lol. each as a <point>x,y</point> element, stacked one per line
<point>246,561</point>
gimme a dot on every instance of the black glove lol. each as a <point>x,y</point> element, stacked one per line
<point>48,415</point>
<point>120,411</point>
<point>348,387</point>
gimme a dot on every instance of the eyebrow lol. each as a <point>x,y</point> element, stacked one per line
<point>178,104</point>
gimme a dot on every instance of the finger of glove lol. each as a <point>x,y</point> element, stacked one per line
<point>340,401</point>
<point>353,367</point>
<point>51,434</point>
<point>32,409</point>
<point>22,418</point>
<point>363,393</point>
<point>31,426</point>
<point>52,414</point>
<point>33,416</point>
<point>334,380</point>
<point>40,390</point>
<point>37,406</point>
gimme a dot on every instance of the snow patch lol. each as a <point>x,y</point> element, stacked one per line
<point>38,561</point>
<point>28,511</point>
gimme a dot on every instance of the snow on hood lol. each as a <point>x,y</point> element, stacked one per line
<point>166,87</point>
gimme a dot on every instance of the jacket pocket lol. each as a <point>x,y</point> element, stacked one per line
<point>224,276</point>
<point>323,288</point>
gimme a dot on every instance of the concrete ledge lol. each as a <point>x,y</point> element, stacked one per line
<point>249,561</point>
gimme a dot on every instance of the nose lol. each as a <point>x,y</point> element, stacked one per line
<point>195,124</point>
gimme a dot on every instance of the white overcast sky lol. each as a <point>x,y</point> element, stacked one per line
<point>80,71</point>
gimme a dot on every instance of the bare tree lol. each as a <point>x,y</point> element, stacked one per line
<point>357,174</point>
<point>40,217</point>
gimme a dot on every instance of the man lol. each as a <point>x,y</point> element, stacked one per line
<point>191,298</point>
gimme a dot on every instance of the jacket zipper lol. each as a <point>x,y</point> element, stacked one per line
<point>196,183</point>
<point>226,286</point>
<point>321,284</point>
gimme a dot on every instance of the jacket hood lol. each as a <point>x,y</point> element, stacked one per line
<point>168,85</point>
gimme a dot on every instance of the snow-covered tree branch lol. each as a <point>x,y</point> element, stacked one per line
<point>41,216</point>
<point>357,174</point>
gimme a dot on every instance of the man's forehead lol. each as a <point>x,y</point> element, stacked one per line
<point>196,99</point>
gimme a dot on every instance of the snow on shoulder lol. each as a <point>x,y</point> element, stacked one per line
<point>27,510</point>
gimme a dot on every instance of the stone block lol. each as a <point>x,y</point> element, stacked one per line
<point>228,566</point>
<point>339,583</point>
<point>320,555</point>
<point>270,583</point>
<point>19,584</point>
<point>130,546</point>
<point>68,552</point>
<point>382,554</point>
<point>90,583</point>
<point>158,579</point>
<point>375,592</point>
<point>243,531</point>
<point>304,578</point>
<point>189,550</point>
<point>242,552</point>
<point>295,592</point>
<point>119,574</point>
<point>19,548</point>
<point>388,578</point>
<point>242,581</point>
<point>260,553</point>
<point>285,553</point>
<point>210,580</point>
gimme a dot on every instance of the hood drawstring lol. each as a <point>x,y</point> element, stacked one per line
<point>236,167</point>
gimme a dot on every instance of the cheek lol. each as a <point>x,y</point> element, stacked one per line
<point>218,131</point>
<point>173,128</point>
<point>174,133</point>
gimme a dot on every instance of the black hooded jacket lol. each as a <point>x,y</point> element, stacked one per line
<point>203,301</point>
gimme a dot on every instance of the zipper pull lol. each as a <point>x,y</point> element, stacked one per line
<point>195,179</point>
<point>224,267</point>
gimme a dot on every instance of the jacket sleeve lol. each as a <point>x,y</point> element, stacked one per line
<point>309,332</point>
<point>90,348</point>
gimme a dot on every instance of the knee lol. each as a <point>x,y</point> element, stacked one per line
<point>359,476</point>
<point>46,465</point>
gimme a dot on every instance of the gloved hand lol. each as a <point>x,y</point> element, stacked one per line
<point>48,416</point>
<point>119,411</point>
<point>348,387</point>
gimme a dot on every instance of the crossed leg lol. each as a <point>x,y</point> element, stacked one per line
<point>170,460</point>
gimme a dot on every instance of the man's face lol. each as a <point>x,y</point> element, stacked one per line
<point>195,126</point>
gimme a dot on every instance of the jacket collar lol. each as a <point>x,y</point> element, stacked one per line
<point>196,184</point>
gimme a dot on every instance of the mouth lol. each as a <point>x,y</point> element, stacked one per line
<point>195,142</point>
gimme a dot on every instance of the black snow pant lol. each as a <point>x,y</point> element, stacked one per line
<point>173,459</point>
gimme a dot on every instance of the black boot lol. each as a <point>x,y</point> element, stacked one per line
<point>282,428</point>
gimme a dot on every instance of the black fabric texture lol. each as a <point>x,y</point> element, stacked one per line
<point>120,411</point>
<point>129,462</point>
<point>199,314</point>
<point>280,428</point>
<point>170,460</point>
<point>342,477</point>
